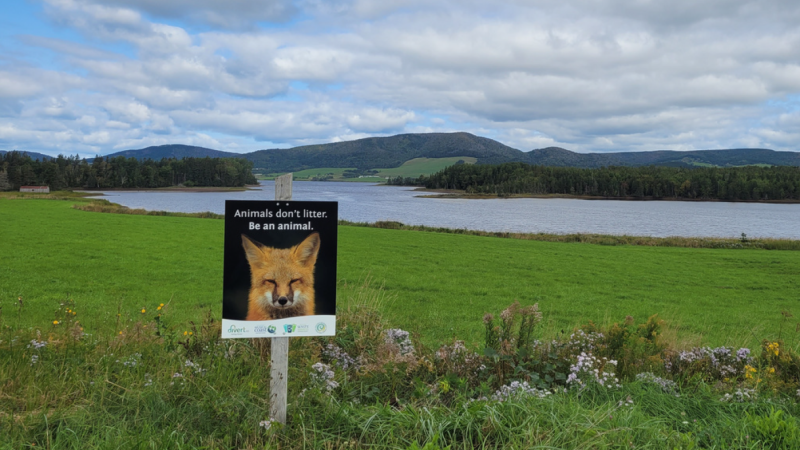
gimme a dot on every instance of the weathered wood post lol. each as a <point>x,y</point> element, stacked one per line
<point>279,354</point>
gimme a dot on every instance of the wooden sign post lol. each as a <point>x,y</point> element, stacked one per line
<point>279,354</point>
<point>287,250</point>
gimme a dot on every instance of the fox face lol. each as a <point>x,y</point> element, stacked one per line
<point>281,280</point>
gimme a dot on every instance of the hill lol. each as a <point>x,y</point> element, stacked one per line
<point>385,152</point>
<point>33,155</point>
<point>716,158</point>
<point>555,156</point>
<point>176,151</point>
<point>393,151</point>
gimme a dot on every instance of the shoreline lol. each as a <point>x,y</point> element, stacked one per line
<point>456,194</point>
<point>250,187</point>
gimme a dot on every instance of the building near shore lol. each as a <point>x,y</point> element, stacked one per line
<point>40,189</point>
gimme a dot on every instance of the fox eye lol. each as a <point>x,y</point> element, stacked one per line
<point>269,281</point>
<point>294,281</point>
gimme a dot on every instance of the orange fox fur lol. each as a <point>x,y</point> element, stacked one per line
<point>281,279</point>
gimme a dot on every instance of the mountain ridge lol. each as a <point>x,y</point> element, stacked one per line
<point>393,151</point>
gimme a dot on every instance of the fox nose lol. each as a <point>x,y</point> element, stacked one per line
<point>282,301</point>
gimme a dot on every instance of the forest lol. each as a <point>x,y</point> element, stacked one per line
<point>749,183</point>
<point>17,169</point>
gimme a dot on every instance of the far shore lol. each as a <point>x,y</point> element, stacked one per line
<point>252,187</point>
<point>452,193</point>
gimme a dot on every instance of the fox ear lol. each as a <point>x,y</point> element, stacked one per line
<point>306,252</point>
<point>252,249</point>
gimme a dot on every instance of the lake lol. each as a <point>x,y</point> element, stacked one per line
<point>363,202</point>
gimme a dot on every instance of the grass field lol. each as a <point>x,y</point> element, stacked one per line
<point>438,285</point>
<point>114,373</point>
<point>424,166</point>
<point>411,168</point>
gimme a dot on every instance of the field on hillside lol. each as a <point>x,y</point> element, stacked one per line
<point>438,285</point>
<point>411,168</point>
<point>424,166</point>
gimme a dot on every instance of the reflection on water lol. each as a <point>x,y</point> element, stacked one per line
<point>361,202</point>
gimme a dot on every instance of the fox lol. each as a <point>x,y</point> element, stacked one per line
<point>281,279</point>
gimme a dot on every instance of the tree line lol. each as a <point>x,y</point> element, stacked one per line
<point>729,183</point>
<point>18,169</point>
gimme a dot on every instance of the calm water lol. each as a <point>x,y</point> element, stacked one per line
<point>363,202</point>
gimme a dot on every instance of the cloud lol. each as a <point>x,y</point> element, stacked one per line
<point>588,75</point>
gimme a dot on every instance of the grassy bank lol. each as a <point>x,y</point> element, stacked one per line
<point>602,239</point>
<point>437,284</point>
<point>155,383</point>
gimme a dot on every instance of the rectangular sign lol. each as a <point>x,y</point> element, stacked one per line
<point>279,269</point>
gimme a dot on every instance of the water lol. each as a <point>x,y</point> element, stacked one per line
<point>361,202</point>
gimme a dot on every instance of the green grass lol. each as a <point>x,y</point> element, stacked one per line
<point>438,285</point>
<point>411,168</point>
<point>134,381</point>
<point>424,166</point>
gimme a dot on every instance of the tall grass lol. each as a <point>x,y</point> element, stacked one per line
<point>160,384</point>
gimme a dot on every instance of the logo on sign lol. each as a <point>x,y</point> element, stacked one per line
<point>271,329</point>
<point>290,328</point>
<point>321,327</point>
<point>236,330</point>
<point>259,329</point>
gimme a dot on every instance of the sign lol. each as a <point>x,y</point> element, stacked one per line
<point>279,269</point>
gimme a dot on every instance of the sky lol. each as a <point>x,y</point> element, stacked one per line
<point>89,77</point>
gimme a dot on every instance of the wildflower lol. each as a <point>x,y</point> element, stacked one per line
<point>334,353</point>
<point>159,308</point>
<point>34,359</point>
<point>190,333</point>
<point>185,333</point>
<point>323,376</point>
<point>120,332</point>
<point>266,424</point>
<point>666,385</point>
<point>144,310</point>
<point>161,305</point>
<point>516,390</point>
<point>627,402</point>
<point>37,344</point>
<point>401,339</point>
<point>771,370</point>
<point>55,322</point>
<point>177,375</point>
<point>740,396</point>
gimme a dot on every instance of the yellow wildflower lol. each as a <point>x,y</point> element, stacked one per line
<point>185,333</point>
<point>161,305</point>
<point>190,333</point>
<point>143,311</point>
<point>771,370</point>
<point>158,309</point>
<point>55,322</point>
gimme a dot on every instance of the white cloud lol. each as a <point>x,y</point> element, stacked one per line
<point>589,75</point>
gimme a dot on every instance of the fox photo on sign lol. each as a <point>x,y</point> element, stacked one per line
<point>279,269</point>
